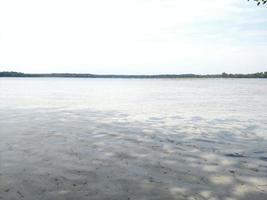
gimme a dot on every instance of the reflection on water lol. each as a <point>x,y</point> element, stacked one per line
<point>133,139</point>
<point>197,97</point>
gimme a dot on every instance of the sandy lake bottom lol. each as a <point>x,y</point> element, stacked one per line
<point>138,151</point>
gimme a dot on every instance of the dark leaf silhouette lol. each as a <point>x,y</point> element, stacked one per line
<point>260,2</point>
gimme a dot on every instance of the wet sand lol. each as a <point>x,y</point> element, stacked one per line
<point>83,154</point>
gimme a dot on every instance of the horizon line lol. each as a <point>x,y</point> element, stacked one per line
<point>87,75</point>
<point>108,74</point>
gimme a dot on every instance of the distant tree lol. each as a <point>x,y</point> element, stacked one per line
<point>224,75</point>
<point>260,2</point>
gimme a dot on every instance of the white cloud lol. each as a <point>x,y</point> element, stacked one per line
<point>119,36</point>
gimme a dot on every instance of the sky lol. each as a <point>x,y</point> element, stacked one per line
<point>133,36</point>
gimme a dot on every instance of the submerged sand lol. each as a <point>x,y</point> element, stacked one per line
<point>83,154</point>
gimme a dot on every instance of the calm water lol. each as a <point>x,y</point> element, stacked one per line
<point>133,138</point>
<point>220,98</point>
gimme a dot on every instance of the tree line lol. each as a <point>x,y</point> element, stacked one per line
<point>72,75</point>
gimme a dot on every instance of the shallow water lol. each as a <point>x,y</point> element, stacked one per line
<point>133,138</point>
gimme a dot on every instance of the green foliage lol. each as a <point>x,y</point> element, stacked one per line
<point>260,2</point>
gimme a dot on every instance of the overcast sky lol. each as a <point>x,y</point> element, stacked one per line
<point>133,36</point>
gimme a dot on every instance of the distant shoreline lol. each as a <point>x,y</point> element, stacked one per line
<point>74,75</point>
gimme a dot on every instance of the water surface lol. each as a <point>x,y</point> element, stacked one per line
<point>80,138</point>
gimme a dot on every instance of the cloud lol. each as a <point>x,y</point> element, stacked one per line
<point>129,36</point>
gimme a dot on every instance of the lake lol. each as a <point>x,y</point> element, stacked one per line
<point>75,138</point>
